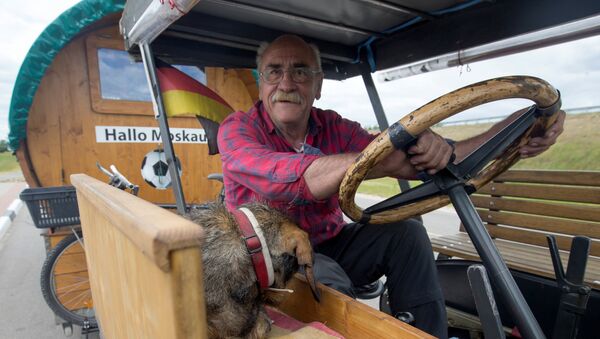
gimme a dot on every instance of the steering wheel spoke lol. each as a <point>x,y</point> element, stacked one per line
<point>415,194</point>
<point>494,147</point>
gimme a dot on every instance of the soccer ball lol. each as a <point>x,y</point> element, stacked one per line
<point>155,170</point>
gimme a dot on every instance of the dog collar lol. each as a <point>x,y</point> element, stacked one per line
<point>254,240</point>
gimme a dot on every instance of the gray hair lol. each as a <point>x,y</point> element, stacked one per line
<point>264,45</point>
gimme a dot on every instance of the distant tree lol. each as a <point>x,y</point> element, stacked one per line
<point>3,146</point>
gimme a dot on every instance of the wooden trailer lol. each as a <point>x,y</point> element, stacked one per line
<point>80,99</point>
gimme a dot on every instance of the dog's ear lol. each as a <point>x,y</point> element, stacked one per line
<point>296,242</point>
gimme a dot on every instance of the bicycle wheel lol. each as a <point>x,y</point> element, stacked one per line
<point>65,282</point>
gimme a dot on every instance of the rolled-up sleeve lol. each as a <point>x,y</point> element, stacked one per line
<point>249,161</point>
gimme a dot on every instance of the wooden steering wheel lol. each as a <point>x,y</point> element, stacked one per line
<point>471,172</point>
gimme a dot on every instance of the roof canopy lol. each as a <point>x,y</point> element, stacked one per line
<point>381,34</point>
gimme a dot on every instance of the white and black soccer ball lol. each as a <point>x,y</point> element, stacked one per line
<point>155,170</point>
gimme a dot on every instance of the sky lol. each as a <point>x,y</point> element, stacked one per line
<point>573,68</point>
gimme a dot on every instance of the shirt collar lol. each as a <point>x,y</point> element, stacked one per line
<point>314,122</point>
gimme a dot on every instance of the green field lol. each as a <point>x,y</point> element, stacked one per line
<point>8,162</point>
<point>578,148</point>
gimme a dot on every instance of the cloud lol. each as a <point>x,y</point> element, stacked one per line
<point>21,22</point>
<point>573,68</point>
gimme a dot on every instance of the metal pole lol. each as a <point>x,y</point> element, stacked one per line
<point>378,108</point>
<point>161,116</point>
<point>497,269</point>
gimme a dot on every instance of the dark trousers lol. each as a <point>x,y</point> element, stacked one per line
<point>400,251</point>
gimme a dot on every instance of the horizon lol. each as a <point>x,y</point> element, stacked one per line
<point>572,67</point>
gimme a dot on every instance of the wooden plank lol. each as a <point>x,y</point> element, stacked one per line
<point>343,314</point>
<point>154,302</point>
<point>459,245</point>
<point>70,263</point>
<point>536,238</point>
<point>548,224</point>
<point>76,281</point>
<point>562,193</point>
<point>551,209</point>
<point>583,178</point>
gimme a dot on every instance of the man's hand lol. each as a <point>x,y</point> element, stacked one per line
<point>538,145</point>
<point>430,153</point>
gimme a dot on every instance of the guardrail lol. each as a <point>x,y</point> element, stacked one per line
<point>577,110</point>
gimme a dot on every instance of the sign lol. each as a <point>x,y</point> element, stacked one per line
<point>129,134</point>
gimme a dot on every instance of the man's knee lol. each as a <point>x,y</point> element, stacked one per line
<point>412,232</point>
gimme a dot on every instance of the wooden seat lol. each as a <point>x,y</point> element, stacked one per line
<point>521,207</point>
<point>145,268</point>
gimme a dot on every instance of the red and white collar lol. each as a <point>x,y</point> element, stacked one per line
<point>256,245</point>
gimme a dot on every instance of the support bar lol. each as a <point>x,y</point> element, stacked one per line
<point>161,115</point>
<point>497,269</point>
<point>378,108</point>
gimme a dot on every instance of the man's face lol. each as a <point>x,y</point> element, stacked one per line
<point>287,101</point>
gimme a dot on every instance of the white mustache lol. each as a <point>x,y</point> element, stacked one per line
<point>293,97</point>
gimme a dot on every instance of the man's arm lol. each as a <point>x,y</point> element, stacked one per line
<point>534,147</point>
<point>431,152</point>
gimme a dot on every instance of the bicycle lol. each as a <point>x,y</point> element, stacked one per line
<point>64,278</point>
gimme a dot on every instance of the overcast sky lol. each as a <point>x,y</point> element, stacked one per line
<point>573,68</point>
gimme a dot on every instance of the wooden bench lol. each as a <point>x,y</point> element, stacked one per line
<point>520,207</point>
<point>145,269</point>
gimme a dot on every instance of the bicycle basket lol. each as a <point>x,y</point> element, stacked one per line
<point>52,206</point>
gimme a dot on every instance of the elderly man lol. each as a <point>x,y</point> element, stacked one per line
<point>293,156</point>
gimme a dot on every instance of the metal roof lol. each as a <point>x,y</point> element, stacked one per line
<point>380,34</point>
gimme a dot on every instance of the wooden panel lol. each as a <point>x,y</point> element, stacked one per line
<point>77,281</point>
<point>133,296</point>
<point>343,314</point>
<point>571,211</point>
<point>562,193</point>
<point>538,259</point>
<point>230,87</point>
<point>70,263</point>
<point>583,178</point>
<point>548,224</point>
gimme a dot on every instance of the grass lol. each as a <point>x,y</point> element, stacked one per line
<point>578,148</point>
<point>8,162</point>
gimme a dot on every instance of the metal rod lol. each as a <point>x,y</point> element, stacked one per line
<point>497,269</point>
<point>295,17</point>
<point>521,43</point>
<point>378,109</point>
<point>398,8</point>
<point>161,116</point>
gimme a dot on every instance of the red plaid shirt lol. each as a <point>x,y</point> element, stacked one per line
<point>259,165</point>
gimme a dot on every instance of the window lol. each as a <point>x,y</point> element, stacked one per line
<point>121,78</point>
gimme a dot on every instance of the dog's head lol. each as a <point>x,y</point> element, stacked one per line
<point>288,245</point>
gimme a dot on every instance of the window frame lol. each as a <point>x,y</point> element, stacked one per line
<point>94,42</point>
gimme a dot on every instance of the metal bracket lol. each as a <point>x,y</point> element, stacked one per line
<point>575,295</point>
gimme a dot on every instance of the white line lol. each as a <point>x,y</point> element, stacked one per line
<point>9,216</point>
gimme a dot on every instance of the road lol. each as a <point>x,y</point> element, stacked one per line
<point>24,313</point>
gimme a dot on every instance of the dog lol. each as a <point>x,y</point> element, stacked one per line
<point>234,300</point>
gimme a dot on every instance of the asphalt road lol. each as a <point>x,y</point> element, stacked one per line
<point>23,311</point>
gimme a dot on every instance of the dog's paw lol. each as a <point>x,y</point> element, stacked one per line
<point>262,327</point>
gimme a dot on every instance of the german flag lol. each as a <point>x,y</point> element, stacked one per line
<point>183,95</point>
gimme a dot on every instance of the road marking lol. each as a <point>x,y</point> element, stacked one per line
<point>9,216</point>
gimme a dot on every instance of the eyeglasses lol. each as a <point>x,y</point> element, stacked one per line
<point>273,75</point>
